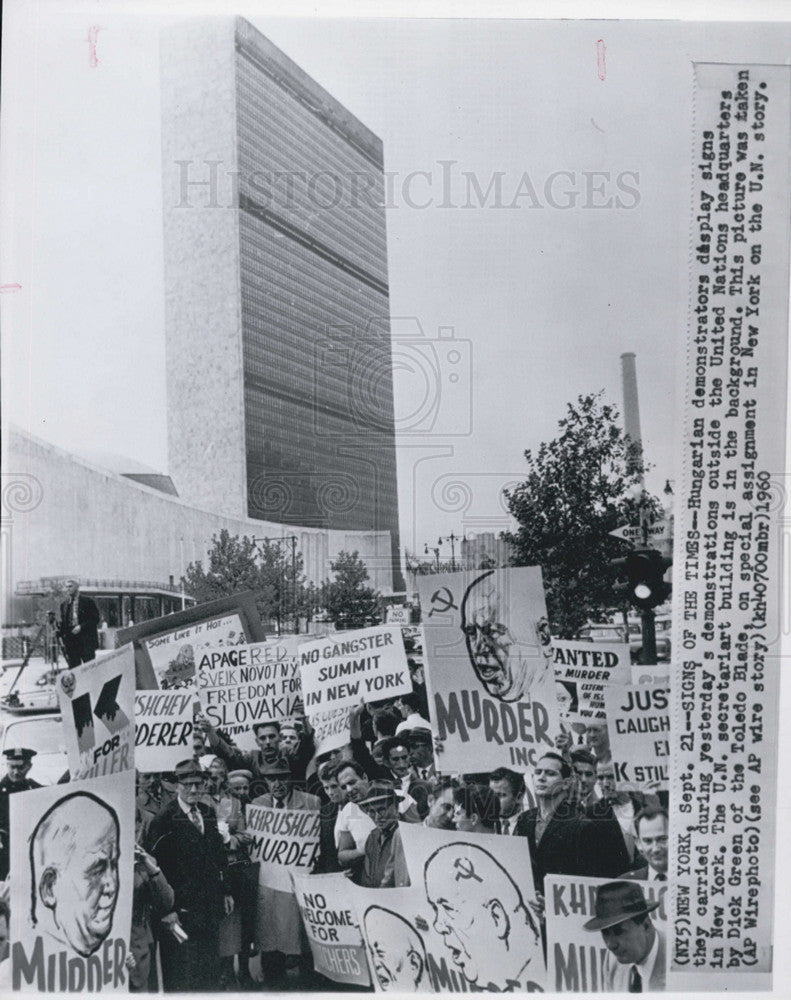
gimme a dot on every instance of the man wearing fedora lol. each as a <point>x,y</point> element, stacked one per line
<point>189,850</point>
<point>637,952</point>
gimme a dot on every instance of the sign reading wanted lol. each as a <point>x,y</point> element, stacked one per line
<point>582,669</point>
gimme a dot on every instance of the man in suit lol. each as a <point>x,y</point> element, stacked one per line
<point>190,852</point>
<point>599,811</point>
<point>78,627</point>
<point>637,950</point>
<point>19,760</point>
<point>651,825</point>
<point>509,787</point>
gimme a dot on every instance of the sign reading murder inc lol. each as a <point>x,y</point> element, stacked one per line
<point>163,729</point>
<point>98,711</point>
<point>578,960</point>
<point>332,928</point>
<point>342,670</point>
<point>284,841</point>
<point>582,669</point>
<point>638,721</point>
<point>242,685</point>
<point>488,667</point>
<point>727,564</point>
<point>71,886</point>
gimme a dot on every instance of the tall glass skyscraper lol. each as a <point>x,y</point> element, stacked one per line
<point>280,393</point>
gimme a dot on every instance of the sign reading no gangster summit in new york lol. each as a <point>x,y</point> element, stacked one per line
<point>489,660</point>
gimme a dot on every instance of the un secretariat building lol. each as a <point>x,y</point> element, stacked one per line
<point>279,370</point>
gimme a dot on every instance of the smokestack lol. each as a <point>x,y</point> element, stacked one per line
<point>631,406</point>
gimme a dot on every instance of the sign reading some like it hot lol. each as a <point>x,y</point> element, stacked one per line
<point>347,668</point>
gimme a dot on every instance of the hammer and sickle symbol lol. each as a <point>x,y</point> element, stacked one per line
<point>465,870</point>
<point>440,602</point>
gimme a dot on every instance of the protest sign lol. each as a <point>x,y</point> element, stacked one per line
<point>247,684</point>
<point>71,885</point>
<point>331,728</point>
<point>98,710</point>
<point>165,647</point>
<point>638,721</point>
<point>581,671</point>
<point>340,671</point>
<point>284,841</point>
<point>332,928</point>
<point>489,672</point>
<point>477,891</point>
<point>577,959</point>
<point>173,654</point>
<point>163,729</point>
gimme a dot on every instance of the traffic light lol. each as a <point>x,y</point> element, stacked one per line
<point>644,569</point>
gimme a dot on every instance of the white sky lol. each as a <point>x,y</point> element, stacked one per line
<point>547,299</point>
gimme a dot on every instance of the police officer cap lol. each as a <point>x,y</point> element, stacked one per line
<point>20,755</point>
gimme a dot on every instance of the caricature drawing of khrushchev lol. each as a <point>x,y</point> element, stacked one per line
<point>482,918</point>
<point>397,953</point>
<point>74,851</point>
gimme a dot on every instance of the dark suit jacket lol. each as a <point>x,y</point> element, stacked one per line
<point>571,845</point>
<point>194,864</point>
<point>86,642</point>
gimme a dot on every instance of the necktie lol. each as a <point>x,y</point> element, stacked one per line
<point>280,804</point>
<point>504,826</point>
<point>635,981</point>
<point>195,817</point>
<point>661,877</point>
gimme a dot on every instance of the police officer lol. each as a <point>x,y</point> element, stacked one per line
<point>19,760</point>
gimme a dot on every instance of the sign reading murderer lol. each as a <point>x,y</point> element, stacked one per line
<point>239,686</point>
<point>173,655</point>
<point>342,670</point>
<point>489,667</point>
<point>71,886</point>
<point>163,729</point>
<point>582,669</point>
<point>578,960</point>
<point>98,711</point>
<point>332,928</point>
<point>638,722</point>
<point>727,564</point>
<point>285,841</point>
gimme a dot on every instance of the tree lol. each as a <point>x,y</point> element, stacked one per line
<point>237,564</point>
<point>579,487</point>
<point>348,602</point>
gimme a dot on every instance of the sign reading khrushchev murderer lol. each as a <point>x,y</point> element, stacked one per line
<point>98,710</point>
<point>240,686</point>
<point>729,537</point>
<point>284,841</point>
<point>163,729</point>
<point>332,928</point>
<point>489,667</point>
<point>342,670</point>
<point>71,886</point>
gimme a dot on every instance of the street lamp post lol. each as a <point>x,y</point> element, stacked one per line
<point>452,539</point>
<point>279,540</point>
<point>426,549</point>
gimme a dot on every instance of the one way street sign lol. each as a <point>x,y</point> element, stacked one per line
<point>658,531</point>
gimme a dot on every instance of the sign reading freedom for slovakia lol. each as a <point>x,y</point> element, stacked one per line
<point>342,670</point>
<point>477,897</point>
<point>489,669</point>
<point>98,709</point>
<point>163,729</point>
<point>240,686</point>
<point>582,669</point>
<point>576,957</point>
<point>638,721</point>
<point>332,929</point>
<point>285,841</point>
<point>71,886</point>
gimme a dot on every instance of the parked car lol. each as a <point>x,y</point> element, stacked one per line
<point>613,632</point>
